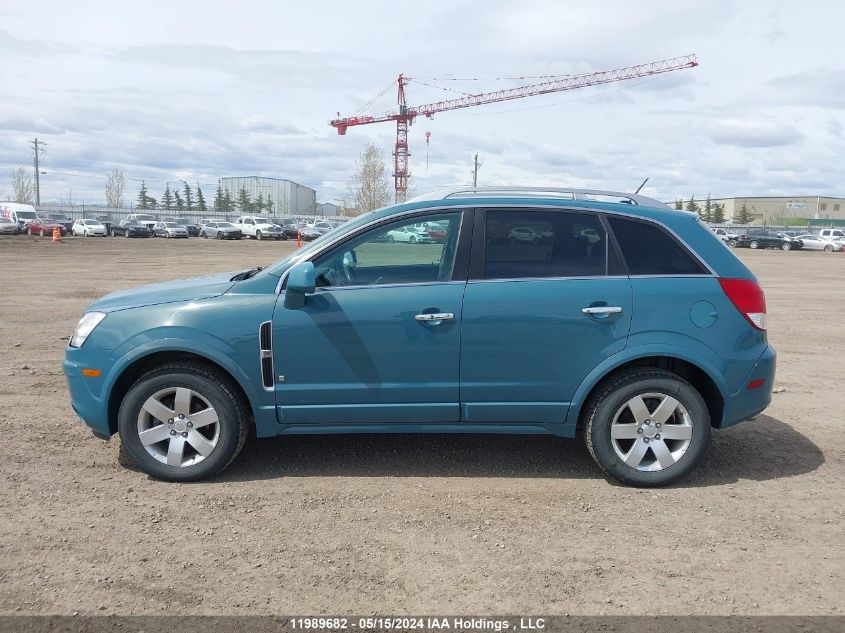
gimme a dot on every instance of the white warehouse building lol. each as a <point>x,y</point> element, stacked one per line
<point>288,197</point>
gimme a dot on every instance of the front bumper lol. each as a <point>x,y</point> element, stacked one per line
<point>746,403</point>
<point>87,400</point>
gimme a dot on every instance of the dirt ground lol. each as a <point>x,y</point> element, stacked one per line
<point>413,524</point>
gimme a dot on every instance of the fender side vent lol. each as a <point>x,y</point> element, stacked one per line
<point>265,344</point>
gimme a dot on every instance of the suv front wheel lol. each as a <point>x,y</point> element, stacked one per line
<point>182,422</point>
<point>647,427</point>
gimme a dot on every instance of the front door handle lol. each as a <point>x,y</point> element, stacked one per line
<point>602,310</point>
<point>437,316</point>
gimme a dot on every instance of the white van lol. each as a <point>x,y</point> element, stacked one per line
<point>23,214</point>
<point>831,234</point>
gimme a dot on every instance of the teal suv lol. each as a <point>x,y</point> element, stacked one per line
<point>551,311</point>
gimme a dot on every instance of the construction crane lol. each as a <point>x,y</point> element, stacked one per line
<point>406,115</point>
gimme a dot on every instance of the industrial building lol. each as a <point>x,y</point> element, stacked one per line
<point>780,210</point>
<point>287,197</point>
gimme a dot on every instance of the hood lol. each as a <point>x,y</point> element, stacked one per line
<point>166,292</point>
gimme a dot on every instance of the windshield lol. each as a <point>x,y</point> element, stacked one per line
<point>29,215</point>
<point>183,221</point>
<point>58,216</point>
<point>170,225</point>
<point>261,220</point>
<point>144,217</point>
<point>224,225</point>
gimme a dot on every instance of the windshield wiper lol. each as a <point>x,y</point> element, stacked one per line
<point>247,274</point>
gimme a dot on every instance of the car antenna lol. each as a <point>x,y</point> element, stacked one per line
<point>641,186</point>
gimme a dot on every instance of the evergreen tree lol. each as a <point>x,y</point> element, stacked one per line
<point>180,204</point>
<point>707,214</point>
<point>270,205</point>
<point>679,204</point>
<point>718,214</point>
<point>692,205</point>
<point>259,203</point>
<point>742,216</point>
<point>219,202</point>
<point>145,201</point>
<point>167,199</point>
<point>244,201</point>
<point>189,198</point>
<point>201,205</point>
<point>228,205</point>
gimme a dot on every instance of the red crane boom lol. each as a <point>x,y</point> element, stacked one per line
<point>406,115</point>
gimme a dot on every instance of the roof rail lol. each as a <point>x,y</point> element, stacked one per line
<point>548,192</point>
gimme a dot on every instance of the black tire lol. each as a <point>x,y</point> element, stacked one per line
<point>753,244</point>
<point>786,246</point>
<point>828,248</point>
<point>204,235</point>
<point>732,243</point>
<point>258,235</point>
<point>413,239</point>
<point>217,389</point>
<point>611,396</point>
<point>29,231</point>
<point>391,239</point>
<point>219,235</point>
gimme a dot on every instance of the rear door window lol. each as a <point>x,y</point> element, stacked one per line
<point>527,243</point>
<point>649,250</point>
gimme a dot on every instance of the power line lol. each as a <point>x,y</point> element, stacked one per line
<point>37,153</point>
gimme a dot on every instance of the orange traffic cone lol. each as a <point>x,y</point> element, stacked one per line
<point>298,239</point>
<point>57,235</point>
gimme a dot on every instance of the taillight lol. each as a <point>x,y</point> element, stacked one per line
<point>748,298</point>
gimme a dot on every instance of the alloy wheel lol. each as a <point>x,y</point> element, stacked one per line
<point>651,432</point>
<point>178,426</point>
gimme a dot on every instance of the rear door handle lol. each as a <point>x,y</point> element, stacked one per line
<point>437,316</point>
<point>602,310</point>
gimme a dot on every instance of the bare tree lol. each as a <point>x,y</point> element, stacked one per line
<point>370,185</point>
<point>115,184</point>
<point>22,186</point>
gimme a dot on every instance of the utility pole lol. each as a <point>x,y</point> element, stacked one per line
<point>475,172</point>
<point>34,145</point>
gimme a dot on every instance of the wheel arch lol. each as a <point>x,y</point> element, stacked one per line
<point>702,380</point>
<point>138,367</point>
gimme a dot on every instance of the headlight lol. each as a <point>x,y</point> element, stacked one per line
<point>86,325</point>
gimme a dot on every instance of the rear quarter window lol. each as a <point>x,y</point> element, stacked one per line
<point>649,250</point>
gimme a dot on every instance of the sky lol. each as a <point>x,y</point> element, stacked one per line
<point>195,91</point>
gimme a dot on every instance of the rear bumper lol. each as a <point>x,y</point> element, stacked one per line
<point>746,403</point>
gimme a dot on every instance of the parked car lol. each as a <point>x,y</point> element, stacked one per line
<point>61,218</point>
<point>88,228</point>
<point>132,228</point>
<point>170,229</point>
<point>832,233</point>
<point>408,235</point>
<point>288,227</point>
<point>258,226</point>
<point>44,227</point>
<point>817,243</point>
<point>9,227</point>
<point>307,233</point>
<point>435,231</point>
<point>221,230</point>
<point>144,218</point>
<point>525,234</point>
<point>767,238</point>
<point>107,221</point>
<point>501,339</point>
<point>21,214</point>
<point>729,237</point>
<point>193,229</point>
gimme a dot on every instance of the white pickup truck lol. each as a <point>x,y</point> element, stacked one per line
<point>144,218</point>
<point>259,227</point>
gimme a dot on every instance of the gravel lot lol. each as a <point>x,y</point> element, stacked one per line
<point>413,524</point>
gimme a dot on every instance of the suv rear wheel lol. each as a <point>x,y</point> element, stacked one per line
<point>647,427</point>
<point>182,422</point>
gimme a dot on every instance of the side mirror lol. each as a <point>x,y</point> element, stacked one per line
<point>300,283</point>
